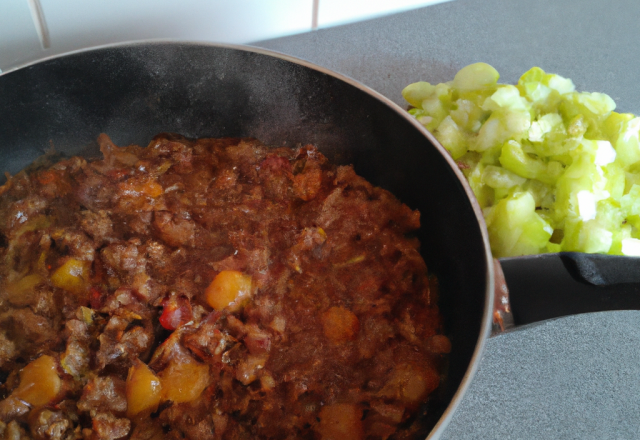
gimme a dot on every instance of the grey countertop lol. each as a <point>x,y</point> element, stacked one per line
<point>570,378</point>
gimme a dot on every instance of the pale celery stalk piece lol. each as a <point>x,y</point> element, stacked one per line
<point>553,169</point>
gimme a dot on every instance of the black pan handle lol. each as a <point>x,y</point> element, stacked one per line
<point>568,283</point>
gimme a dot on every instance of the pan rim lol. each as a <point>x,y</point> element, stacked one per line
<point>487,314</point>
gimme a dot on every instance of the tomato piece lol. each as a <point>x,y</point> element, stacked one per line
<point>177,311</point>
<point>96,298</point>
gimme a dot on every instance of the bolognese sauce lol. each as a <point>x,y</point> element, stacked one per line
<point>212,289</point>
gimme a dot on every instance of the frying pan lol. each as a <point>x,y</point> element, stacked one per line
<point>134,91</point>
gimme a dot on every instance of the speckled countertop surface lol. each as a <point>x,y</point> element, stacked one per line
<point>570,378</point>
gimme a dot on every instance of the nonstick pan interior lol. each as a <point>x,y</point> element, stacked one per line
<point>133,92</point>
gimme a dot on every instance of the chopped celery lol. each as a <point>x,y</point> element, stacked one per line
<point>451,137</point>
<point>541,158</point>
<point>497,177</point>
<point>415,93</point>
<point>476,77</point>
<point>516,228</point>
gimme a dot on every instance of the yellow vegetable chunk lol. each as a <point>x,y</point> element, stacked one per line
<point>184,380</point>
<point>144,389</point>
<point>39,382</point>
<point>73,276</point>
<point>230,290</point>
<point>340,421</point>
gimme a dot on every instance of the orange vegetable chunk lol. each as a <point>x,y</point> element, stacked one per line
<point>144,390</point>
<point>184,380</point>
<point>230,289</point>
<point>340,421</point>
<point>340,325</point>
<point>72,276</point>
<point>137,186</point>
<point>39,382</point>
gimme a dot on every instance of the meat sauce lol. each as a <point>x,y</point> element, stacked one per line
<point>212,289</point>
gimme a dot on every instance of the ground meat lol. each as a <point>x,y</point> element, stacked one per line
<point>212,289</point>
<point>104,394</point>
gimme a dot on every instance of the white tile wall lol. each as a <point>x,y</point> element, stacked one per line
<point>74,24</point>
<point>18,36</point>
<point>334,12</point>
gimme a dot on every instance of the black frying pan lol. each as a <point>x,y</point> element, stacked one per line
<point>133,92</point>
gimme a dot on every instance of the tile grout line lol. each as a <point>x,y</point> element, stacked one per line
<point>314,15</point>
<point>37,15</point>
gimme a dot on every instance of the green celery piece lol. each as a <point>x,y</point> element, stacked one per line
<point>597,103</point>
<point>476,76</point>
<point>560,84</point>
<point>531,85</point>
<point>623,232</point>
<point>469,162</point>
<point>619,237</point>
<point>627,143</point>
<point>501,193</point>
<point>535,75</point>
<point>514,159</point>
<point>444,93</point>
<point>543,194</point>
<point>506,97</point>
<point>417,92</point>
<point>501,126</point>
<point>557,146</point>
<point>434,107</point>
<point>490,135</point>
<point>536,233</point>
<point>484,194</point>
<point>612,126</point>
<point>544,125</point>
<point>577,126</point>
<point>600,152</point>
<point>630,203</point>
<point>594,107</point>
<point>631,178</point>
<point>615,176</point>
<point>515,228</point>
<point>609,214</point>
<point>553,248</point>
<point>450,136</point>
<point>517,123</point>
<point>581,175</point>
<point>589,236</point>
<point>497,177</point>
<point>468,115</point>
